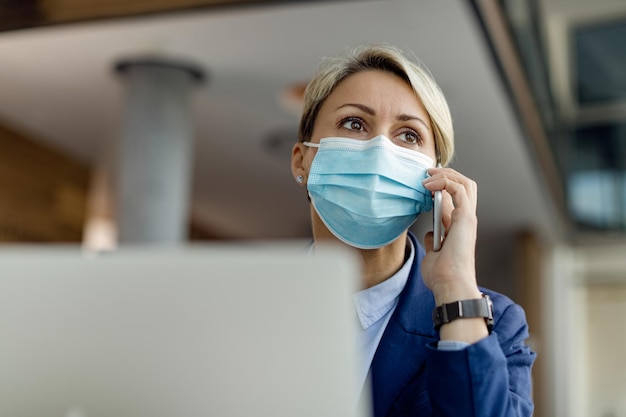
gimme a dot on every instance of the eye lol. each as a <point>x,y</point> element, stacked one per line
<point>411,137</point>
<point>352,123</point>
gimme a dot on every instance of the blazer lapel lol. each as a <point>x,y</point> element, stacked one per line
<point>400,356</point>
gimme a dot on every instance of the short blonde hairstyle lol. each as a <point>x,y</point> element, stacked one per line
<point>332,71</point>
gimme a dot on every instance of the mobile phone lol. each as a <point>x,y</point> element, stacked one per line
<point>437,223</point>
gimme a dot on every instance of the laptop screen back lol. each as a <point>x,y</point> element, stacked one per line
<point>215,330</point>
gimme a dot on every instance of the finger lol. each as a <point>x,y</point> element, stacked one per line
<point>462,198</point>
<point>428,242</point>
<point>446,209</point>
<point>437,174</point>
<point>455,192</point>
<point>462,190</point>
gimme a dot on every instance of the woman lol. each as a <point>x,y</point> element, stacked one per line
<point>373,125</point>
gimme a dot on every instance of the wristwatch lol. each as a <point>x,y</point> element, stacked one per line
<point>477,307</point>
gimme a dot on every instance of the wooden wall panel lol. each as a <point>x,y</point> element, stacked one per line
<point>21,14</point>
<point>42,191</point>
<point>529,281</point>
<point>71,10</point>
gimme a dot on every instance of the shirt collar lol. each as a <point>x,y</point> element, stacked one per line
<point>375,302</point>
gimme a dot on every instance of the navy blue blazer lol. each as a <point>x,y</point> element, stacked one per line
<point>410,377</point>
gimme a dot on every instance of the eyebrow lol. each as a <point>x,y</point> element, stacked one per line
<point>370,111</point>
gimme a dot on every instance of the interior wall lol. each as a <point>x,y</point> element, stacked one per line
<point>496,263</point>
<point>602,285</point>
<point>606,344</point>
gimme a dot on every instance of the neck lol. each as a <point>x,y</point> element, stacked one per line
<point>378,264</point>
<point>381,264</point>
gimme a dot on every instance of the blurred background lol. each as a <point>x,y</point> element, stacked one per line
<point>172,121</point>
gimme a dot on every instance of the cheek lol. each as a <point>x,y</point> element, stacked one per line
<point>433,154</point>
<point>308,158</point>
<point>430,150</point>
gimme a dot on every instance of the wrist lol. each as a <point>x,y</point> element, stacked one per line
<point>467,330</point>
<point>445,294</point>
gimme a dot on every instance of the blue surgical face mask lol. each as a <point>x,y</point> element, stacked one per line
<point>368,192</point>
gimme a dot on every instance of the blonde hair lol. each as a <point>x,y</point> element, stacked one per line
<point>332,71</point>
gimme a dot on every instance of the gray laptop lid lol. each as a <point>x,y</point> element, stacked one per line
<point>215,330</point>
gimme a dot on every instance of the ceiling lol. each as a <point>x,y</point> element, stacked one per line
<point>57,83</point>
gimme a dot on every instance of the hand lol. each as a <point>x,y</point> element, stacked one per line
<point>451,273</point>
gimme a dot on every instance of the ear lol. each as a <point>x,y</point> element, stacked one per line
<point>297,161</point>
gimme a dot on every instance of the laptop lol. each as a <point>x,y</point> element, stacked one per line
<point>262,329</point>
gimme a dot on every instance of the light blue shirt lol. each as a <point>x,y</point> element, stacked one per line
<point>374,308</point>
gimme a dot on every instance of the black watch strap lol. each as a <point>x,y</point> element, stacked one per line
<point>477,307</point>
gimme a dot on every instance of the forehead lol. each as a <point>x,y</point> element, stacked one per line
<point>376,88</point>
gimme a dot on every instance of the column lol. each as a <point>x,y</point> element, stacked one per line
<point>154,159</point>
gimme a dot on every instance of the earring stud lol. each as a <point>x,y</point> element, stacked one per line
<point>299,179</point>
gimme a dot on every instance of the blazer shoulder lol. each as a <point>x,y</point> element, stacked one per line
<point>509,318</point>
<point>500,301</point>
